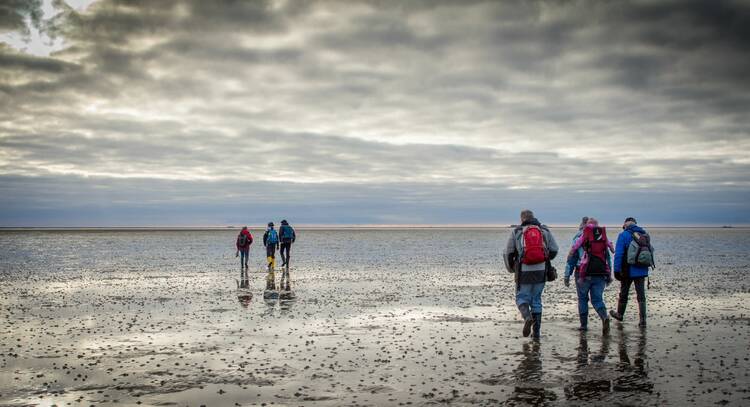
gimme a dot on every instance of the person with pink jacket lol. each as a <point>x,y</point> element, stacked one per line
<point>593,274</point>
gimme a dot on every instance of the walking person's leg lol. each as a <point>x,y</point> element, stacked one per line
<point>597,301</point>
<point>582,289</point>
<point>536,308</point>
<point>640,292</point>
<point>523,302</point>
<point>622,301</point>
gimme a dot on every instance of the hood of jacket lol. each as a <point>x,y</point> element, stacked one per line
<point>635,229</point>
<point>532,221</point>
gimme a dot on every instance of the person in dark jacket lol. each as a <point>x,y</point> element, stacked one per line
<point>629,274</point>
<point>530,277</point>
<point>287,236</point>
<point>244,240</point>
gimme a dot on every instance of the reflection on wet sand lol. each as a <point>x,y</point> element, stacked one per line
<point>530,386</point>
<point>245,300</point>
<point>588,383</point>
<point>633,376</point>
<point>109,316</point>
<point>595,379</point>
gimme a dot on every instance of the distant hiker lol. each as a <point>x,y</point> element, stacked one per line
<point>633,257</point>
<point>288,236</point>
<point>244,240</point>
<point>528,252</point>
<point>593,272</point>
<point>271,242</point>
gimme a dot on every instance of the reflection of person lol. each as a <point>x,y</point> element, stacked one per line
<point>584,386</point>
<point>245,300</point>
<point>635,373</point>
<point>529,249</point>
<point>529,388</point>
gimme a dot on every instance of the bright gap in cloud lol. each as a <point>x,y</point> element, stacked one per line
<point>38,42</point>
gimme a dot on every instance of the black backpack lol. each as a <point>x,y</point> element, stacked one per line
<point>242,239</point>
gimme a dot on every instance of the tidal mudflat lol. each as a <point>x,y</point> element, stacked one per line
<point>382,317</point>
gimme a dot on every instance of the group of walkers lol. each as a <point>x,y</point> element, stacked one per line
<point>531,247</point>
<point>273,240</point>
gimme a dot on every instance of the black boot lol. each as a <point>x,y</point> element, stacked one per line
<point>527,319</point>
<point>620,310</point>
<point>584,322</point>
<point>537,324</point>
<point>642,313</point>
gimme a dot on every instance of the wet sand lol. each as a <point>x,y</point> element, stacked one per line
<point>381,318</point>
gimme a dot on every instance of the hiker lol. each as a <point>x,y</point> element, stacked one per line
<point>633,257</point>
<point>287,235</point>
<point>528,252</point>
<point>271,241</point>
<point>244,240</point>
<point>593,272</point>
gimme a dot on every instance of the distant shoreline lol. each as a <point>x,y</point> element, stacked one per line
<point>312,227</point>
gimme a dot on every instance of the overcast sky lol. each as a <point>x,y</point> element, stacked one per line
<point>435,112</point>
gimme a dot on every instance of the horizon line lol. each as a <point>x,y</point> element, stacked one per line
<point>348,226</point>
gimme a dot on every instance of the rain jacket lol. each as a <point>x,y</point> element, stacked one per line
<point>249,240</point>
<point>621,254</point>
<point>286,233</point>
<point>528,273</point>
<point>584,257</point>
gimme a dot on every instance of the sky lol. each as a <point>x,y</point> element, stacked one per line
<point>200,113</point>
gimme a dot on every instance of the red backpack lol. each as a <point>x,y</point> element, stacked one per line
<point>534,246</point>
<point>595,245</point>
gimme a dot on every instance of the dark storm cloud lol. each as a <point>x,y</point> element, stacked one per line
<point>14,14</point>
<point>399,99</point>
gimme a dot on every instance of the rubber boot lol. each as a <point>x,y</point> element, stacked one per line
<point>584,322</point>
<point>527,319</point>
<point>642,313</point>
<point>620,311</point>
<point>605,320</point>
<point>537,324</point>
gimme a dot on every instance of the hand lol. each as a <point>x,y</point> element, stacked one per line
<point>237,253</point>
<point>567,281</point>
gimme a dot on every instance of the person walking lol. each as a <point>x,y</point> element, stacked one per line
<point>527,254</point>
<point>634,255</point>
<point>271,242</point>
<point>288,236</point>
<point>244,240</point>
<point>593,273</point>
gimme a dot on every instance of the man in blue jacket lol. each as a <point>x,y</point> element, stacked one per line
<point>287,236</point>
<point>629,273</point>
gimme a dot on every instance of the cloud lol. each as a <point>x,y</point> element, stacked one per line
<point>516,96</point>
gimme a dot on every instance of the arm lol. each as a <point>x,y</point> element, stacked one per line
<point>571,264</point>
<point>510,255</point>
<point>620,251</point>
<point>237,243</point>
<point>265,239</point>
<point>249,239</point>
<point>576,245</point>
<point>551,245</point>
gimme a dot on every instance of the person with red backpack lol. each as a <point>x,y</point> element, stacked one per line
<point>593,273</point>
<point>527,254</point>
<point>244,240</point>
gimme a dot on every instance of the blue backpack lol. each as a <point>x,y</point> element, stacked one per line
<point>273,237</point>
